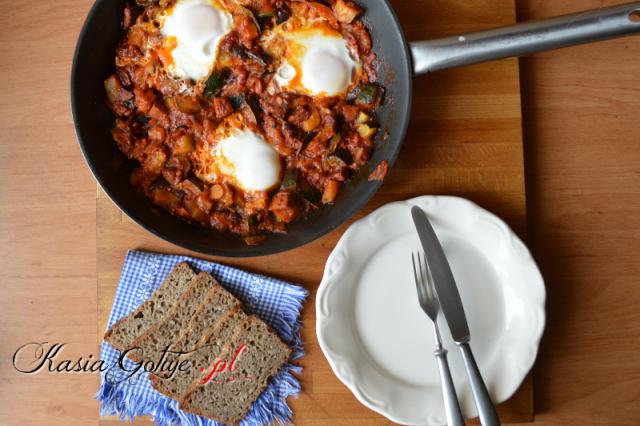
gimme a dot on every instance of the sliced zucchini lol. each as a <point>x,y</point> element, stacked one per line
<point>365,131</point>
<point>363,117</point>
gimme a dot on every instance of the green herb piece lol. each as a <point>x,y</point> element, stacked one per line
<point>367,95</point>
<point>290,180</point>
<point>253,222</point>
<point>214,84</point>
<point>333,143</point>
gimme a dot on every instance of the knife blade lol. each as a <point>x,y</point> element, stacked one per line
<point>453,311</point>
<point>444,282</point>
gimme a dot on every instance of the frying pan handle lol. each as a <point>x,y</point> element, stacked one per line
<point>525,38</point>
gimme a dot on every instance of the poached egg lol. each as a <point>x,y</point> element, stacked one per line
<point>315,60</point>
<point>240,157</point>
<point>193,30</point>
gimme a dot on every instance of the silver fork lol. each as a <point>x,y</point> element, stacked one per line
<point>431,306</point>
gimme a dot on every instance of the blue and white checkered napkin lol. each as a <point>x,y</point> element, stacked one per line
<point>277,302</point>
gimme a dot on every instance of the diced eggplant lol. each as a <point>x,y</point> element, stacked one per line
<point>253,108</point>
<point>345,155</point>
<point>236,101</point>
<point>245,54</point>
<point>307,138</point>
<point>313,195</point>
<point>282,15</point>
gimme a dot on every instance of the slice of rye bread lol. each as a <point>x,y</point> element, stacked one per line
<point>231,395</point>
<point>162,334</point>
<point>209,348</point>
<point>207,316</point>
<point>122,334</point>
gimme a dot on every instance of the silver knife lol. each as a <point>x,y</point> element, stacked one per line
<point>453,310</point>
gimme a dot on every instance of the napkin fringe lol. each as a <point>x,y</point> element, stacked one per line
<point>288,322</point>
<point>272,403</point>
<point>129,401</point>
<point>126,403</point>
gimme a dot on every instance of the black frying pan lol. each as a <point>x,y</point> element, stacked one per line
<point>94,62</point>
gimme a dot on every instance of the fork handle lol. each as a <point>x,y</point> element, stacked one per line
<point>486,409</point>
<point>451,406</point>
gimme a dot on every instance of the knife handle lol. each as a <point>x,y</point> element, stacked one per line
<point>451,406</point>
<point>486,409</point>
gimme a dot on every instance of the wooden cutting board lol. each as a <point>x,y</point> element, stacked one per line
<point>465,139</point>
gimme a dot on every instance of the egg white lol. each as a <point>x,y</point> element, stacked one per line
<point>240,157</point>
<point>316,61</point>
<point>193,30</point>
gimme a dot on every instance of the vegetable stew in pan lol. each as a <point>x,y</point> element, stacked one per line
<point>244,115</point>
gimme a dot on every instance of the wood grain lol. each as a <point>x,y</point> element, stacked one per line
<point>582,138</point>
<point>465,139</point>
<point>47,216</point>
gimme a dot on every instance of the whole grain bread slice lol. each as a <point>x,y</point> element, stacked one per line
<point>157,339</point>
<point>217,304</point>
<point>207,353</point>
<point>122,334</point>
<point>228,398</point>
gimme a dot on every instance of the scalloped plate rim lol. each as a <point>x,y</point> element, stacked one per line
<point>426,201</point>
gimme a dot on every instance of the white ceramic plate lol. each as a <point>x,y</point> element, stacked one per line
<point>379,342</point>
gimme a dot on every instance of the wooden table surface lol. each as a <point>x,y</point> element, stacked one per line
<point>581,132</point>
<point>465,138</point>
